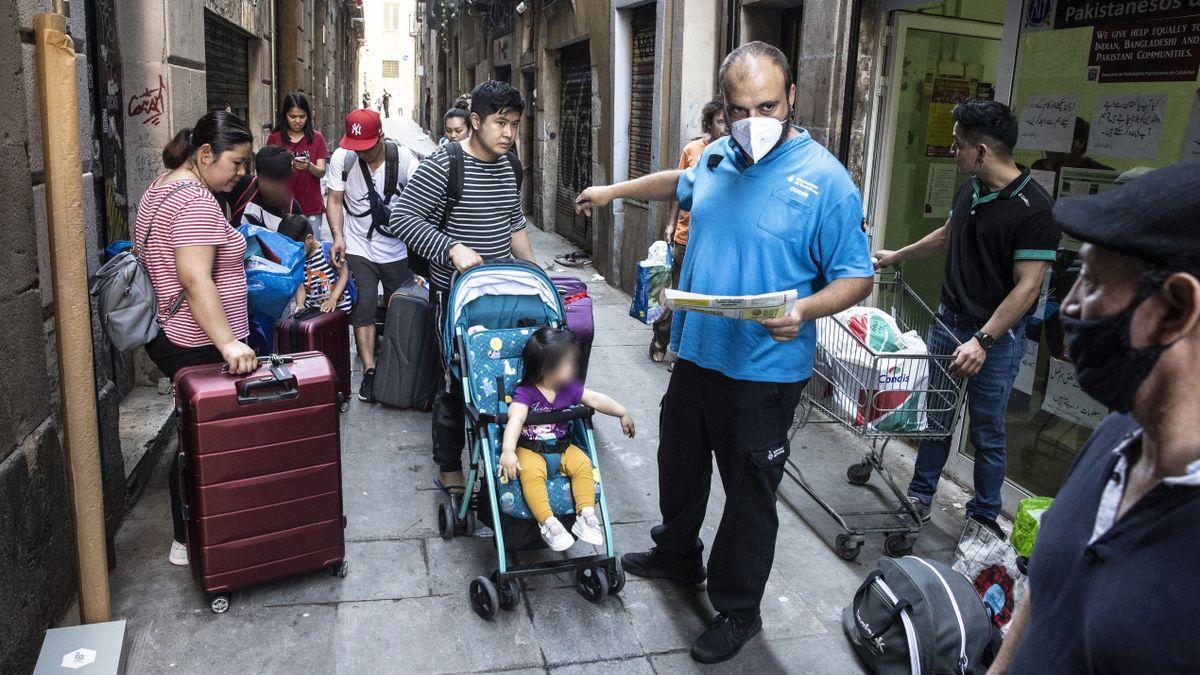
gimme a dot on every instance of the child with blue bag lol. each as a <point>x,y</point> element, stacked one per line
<point>327,285</point>
<point>550,382</point>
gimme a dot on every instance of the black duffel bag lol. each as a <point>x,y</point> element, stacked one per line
<point>913,615</point>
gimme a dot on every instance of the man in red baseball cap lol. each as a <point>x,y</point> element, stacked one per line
<point>366,175</point>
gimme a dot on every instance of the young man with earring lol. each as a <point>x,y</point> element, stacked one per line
<point>999,241</point>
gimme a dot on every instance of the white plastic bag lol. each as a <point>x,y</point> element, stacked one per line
<point>887,394</point>
<point>990,564</point>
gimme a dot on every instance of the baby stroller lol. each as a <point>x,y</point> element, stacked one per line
<point>492,311</point>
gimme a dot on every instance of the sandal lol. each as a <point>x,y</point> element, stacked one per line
<point>658,351</point>
<point>450,488</point>
<point>575,259</point>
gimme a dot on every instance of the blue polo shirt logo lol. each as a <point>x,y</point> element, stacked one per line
<point>792,220</point>
<point>803,189</point>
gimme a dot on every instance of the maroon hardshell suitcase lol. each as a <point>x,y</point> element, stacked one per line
<point>261,477</point>
<point>328,333</point>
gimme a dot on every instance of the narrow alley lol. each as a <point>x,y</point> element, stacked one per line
<point>403,606</point>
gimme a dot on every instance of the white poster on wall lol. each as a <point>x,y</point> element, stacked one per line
<point>1191,140</point>
<point>1065,399</point>
<point>1127,125</point>
<point>939,191</point>
<point>1024,381</point>
<point>1047,122</point>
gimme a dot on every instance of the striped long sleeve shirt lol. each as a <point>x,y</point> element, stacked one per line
<point>484,219</point>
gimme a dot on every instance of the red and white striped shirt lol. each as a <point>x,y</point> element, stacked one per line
<point>190,216</point>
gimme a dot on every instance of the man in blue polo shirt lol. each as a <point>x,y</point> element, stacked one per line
<point>1112,578</point>
<point>772,210</point>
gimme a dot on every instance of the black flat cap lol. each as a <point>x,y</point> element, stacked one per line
<point>1154,217</point>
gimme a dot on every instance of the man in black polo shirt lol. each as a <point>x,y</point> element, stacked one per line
<point>1112,580</point>
<point>999,241</point>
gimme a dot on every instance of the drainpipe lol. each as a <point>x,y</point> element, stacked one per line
<point>59,106</point>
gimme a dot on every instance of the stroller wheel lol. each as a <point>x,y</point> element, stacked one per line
<point>468,523</point>
<point>509,592</point>
<point>484,599</point>
<point>618,578</point>
<point>592,583</point>
<point>445,518</point>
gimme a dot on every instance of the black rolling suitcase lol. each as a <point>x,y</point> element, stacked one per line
<point>406,360</point>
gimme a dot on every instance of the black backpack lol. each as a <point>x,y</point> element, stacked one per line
<point>454,187</point>
<point>913,615</point>
<point>378,209</point>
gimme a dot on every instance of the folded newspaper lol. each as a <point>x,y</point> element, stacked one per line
<point>749,307</point>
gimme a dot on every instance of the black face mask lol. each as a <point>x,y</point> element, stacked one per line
<point>1107,367</point>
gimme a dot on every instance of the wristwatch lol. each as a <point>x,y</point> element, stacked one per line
<point>986,341</point>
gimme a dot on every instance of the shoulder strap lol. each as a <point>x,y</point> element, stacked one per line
<point>348,165</point>
<point>454,181</point>
<point>517,169</point>
<point>391,169</point>
<point>179,185</point>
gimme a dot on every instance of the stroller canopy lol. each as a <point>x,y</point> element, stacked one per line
<point>501,294</point>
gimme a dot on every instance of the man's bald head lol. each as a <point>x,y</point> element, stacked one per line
<point>752,57</point>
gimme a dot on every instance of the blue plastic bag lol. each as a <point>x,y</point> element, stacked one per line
<point>274,272</point>
<point>116,247</point>
<point>651,280</point>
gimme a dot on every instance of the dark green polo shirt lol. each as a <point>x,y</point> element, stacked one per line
<point>989,232</point>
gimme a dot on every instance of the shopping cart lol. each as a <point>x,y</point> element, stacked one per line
<point>857,387</point>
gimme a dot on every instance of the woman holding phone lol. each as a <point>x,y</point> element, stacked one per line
<point>294,131</point>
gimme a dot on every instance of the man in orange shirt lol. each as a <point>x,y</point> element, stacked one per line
<point>712,123</point>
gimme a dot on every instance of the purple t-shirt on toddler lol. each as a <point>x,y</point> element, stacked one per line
<point>570,394</point>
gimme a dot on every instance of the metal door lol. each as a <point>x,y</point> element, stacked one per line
<point>574,143</point>
<point>227,67</point>
<point>641,101</point>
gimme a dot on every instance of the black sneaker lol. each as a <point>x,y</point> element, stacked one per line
<point>724,638</point>
<point>651,565</point>
<point>923,510</point>
<point>366,392</point>
<point>990,524</point>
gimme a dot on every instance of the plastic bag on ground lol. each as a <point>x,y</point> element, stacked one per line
<point>1029,519</point>
<point>990,564</point>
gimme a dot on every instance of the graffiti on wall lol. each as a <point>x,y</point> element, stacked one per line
<point>103,39</point>
<point>149,105</point>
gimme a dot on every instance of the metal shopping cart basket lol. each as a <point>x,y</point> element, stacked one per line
<point>880,395</point>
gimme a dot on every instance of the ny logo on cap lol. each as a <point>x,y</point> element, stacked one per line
<point>356,129</point>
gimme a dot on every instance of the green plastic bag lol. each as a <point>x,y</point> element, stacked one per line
<point>1029,518</point>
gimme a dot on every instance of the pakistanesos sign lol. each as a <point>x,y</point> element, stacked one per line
<point>1077,13</point>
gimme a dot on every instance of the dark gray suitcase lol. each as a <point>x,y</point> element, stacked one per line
<point>406,363</point>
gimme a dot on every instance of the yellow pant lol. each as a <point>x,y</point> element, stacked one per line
<point>575,465</point>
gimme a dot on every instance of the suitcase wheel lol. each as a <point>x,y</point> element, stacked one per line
<point>340,569</point>
<point>219,604</point>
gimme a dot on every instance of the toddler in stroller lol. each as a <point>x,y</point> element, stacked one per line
<point>550,382</point>
<point>491,313</point>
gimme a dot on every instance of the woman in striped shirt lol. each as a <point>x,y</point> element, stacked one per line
<point>194,260</point>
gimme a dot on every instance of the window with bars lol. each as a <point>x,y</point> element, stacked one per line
<point>391,69</point>
<point>391,16</point>
<point>641,102</point>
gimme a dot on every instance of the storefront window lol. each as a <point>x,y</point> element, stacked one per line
<point>1099,101</point>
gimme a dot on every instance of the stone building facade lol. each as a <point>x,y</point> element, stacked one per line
<point>145,69</point>
<point>650,67</point>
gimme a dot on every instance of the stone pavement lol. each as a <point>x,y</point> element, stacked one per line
<point>403,607</point>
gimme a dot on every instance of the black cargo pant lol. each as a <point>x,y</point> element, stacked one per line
<point>449,418</point>
<point>744,425</point>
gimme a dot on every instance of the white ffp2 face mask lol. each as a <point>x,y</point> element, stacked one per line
<point>757,135</point>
